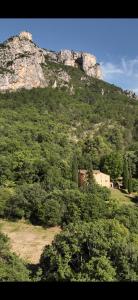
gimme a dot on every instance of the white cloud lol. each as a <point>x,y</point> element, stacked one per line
<point>124,73</point>
<point>128,67</point>
<point>109,68</point>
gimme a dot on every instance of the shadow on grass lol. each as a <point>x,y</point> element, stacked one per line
<point>133,198</point>
<point>124,192</point>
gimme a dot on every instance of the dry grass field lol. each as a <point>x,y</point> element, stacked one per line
<point>27,240</point>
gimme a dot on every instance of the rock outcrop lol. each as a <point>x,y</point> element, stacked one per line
<point>86,61</point>
<point>130,94</point>
<point>21,63</point>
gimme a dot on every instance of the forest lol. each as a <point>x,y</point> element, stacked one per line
<point>46,136</point>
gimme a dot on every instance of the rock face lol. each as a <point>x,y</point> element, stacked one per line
<point>21,63</point>
<point>66,57</point>
<point>81,59</point>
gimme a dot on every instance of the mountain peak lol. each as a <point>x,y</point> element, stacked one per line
<point>25,35</point>
<point>22,64</point>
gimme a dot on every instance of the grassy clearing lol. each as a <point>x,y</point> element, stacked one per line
<point>26,240</point>
<point>120,196</point>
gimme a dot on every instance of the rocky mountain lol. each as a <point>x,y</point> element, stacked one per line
<point>24,65</point>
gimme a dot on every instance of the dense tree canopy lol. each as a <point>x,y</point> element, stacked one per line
<point>46,135</point>
<point>102,250</point>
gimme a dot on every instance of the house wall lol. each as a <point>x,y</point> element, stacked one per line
<point>102,179</point>
<point>82,178</point>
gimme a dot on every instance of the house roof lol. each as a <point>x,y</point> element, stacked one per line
<point>96,171</point>
<point>82,171</point>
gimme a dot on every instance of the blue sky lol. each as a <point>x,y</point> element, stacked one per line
<point>113,41</point>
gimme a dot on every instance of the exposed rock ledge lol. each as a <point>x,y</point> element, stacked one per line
<point>21,59</point>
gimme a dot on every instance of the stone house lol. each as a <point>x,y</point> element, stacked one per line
<point>100,178</point>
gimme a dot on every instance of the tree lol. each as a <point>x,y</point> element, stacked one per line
<point>130,181</point>
<point>91,180</point>
<point>101,250</point>
<point>75,169</point>
<point>135,185</point>
<point>125,174</point>
<point>53,213</point>
<point>113,164</point>
<point>12,268</point>
<point>27,202</point>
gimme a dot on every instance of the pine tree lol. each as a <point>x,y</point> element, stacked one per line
<point>91,179</point>
<point>75,169</point>
<point>125,174</point>
<point>129,185</point>
<point>130,180</point>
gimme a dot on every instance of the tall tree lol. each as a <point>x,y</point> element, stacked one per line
<point>113,164</point>
<point>125,174</point>
<point>91,179</point>
<point>130,179</point>
<point>75,169</point>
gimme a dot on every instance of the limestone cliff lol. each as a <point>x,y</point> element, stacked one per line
<point>21,63</point>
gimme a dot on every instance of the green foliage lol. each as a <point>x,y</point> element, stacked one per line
<point>27,202</point>
<point>75,169</point>
<point>130,177</point>
<point>130,184</point>
<point>91,180</point>
<point>128,216</point>
<point>11,267</point>
<point>99,251</point>
<point>40,130</point>
<point>38,127</point>
<point>113,165</point>
<point>134,185</point>
<point>125,174</point>
<point>5,195</point>
<point>53,213</point>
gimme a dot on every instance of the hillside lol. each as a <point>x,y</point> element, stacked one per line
<point>41,129</point>
<point>47,133</point>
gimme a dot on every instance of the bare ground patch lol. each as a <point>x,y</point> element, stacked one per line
<point>26,240</point>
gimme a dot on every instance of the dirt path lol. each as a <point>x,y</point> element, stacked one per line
<point>26,240</point>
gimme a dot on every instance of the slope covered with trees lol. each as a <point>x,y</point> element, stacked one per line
<point>45,136</point>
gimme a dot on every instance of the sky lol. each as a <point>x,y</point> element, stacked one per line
<point>114,42</point>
